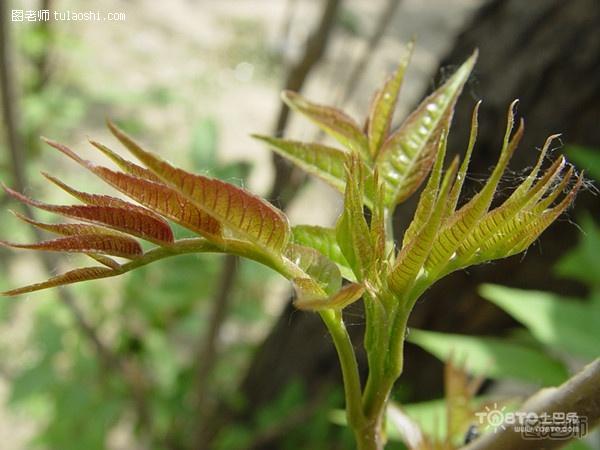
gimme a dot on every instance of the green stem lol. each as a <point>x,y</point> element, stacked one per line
<point>395,360</point>
<point>389,230</point>
<point>371,436</point>
<point>381,381</point>
<point>343,344</point>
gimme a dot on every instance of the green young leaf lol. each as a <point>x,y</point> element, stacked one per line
<point>332,121</point>
<point>587,158</point>
<point>321,288</point>
<point>347,295</point>
<point>384,103</point>
<point>324,241</point>
<point>462,172</point>
<point>459,225</point>
<point>320,160</point>
<point>493,357</point>
<point>316,266</point>
<point>515,217</point>
<point>412,257</point>
<point>585,255</point>
<point>559,323</point>
<point>429,196</point>
<point>243,212</point>
<point>352,230</point>
<point>543,218</point>
<point>377,226</point>
<point>407,155</point>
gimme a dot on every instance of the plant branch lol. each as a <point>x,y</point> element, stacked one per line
<point>580,394</point>
<point>383,21</point>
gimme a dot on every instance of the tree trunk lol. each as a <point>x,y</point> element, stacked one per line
<point>547,53</point>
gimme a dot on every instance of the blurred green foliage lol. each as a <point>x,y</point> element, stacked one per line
<point>588,158</point>
<point>157,317</point>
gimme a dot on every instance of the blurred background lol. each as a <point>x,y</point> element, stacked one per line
<point>206,352</point>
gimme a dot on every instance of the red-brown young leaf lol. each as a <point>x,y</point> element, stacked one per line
<point>154,195</point>
<point>122,246</point>
<point>73,276</point>
<point>163,199</point>
<point>130,221</point>
<point>243,212</point>
<point>67,229</point>
<point>101,200</point>
<point>71,229</point>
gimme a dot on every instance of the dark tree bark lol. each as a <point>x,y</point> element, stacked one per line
<point>547,53</point>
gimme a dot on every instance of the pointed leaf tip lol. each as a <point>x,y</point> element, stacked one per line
<point>332,121</point>
<point>122,246</point>
<point>383,104</point>
<point>123,164</point>
<point>408,154</point>
<point>73,276</point>
<point>63,149</point>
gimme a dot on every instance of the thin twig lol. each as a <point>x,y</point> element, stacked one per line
<point>290,6</point>
<point>361,64</point>
<point>359,68</point>
<point>296,76</point>
<point>580,395</point>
